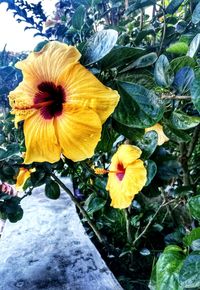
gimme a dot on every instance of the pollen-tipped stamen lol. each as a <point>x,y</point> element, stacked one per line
<point>104,171</point>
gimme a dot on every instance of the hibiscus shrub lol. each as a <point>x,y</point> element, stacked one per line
<point>111,99</point>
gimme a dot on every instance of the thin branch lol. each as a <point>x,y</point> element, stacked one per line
<point>184,163</point>
<point>194,141</point>
<point>174,97</point>
<point>82,210</point>
<point>151,220</point>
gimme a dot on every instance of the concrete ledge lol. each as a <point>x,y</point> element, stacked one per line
<point>48,249</point>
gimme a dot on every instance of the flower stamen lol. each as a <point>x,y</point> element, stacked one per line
<point>104,171</point>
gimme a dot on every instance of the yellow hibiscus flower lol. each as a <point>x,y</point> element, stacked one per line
<point>162,138</point>
<point>62,104</point>
<point>126,175</point>
<point>22,177</point>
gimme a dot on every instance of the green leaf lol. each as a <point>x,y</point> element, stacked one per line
<point>121,56</point>
<point>195,93</point>
<point>162,72</point>
<point>147,144</point>
<point>143,61</point>
<point>138,107</point>
<point>173,6</point>
<point>131,133</point>
<point>196,14</point>
<point>194,206</point>
<point>194,46</point>
<point>98,46</point>
<point>182,121</point>
<point>151,171</point>
<point>52,189</point>
<point>189,274</point>
<point>108,136</point>
<point>140,4</point>
<point>175,134</point>
<point>192,236</point>
<point>95,204</point>
<point>179,48</point>
<point>182,61</point>
<point>16,216</point>
<point>78,17</point>
<point>145,79</point>
<point>40,46</point>
<point>168,267</point>
<point>11,150</point>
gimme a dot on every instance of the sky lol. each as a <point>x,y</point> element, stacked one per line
<point>12,33</point>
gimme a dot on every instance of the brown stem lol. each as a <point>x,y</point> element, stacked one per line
<point>184,162</point>
<point>141,19</point>
<point>194,141</point>
<point>82,210</point>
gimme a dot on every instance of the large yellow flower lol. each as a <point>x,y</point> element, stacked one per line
<point>127,176</point>
<point>162,138</point>
<point>62,104</point>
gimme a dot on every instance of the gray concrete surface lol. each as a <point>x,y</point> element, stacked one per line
<point>48,249</point>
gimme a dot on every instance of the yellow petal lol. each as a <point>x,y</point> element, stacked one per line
<point>22,176</point>
<point>84,89</point>
<point>162,138</point>
<point>21,100</point>
<point>49,63</point>
<point>78,131</point>
<point>128,154</point>
<point>40,140</point>
<point>123,192</point>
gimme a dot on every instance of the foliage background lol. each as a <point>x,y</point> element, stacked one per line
<point>154,64</point>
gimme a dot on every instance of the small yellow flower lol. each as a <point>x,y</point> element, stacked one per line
<point>162,138</point>
<point>126,177</point>
<point>62,104</point>
<point>22,177</point>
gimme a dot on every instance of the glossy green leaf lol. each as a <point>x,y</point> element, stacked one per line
<point>143,61</point>
<point>78,17</point>
<point>176,135</point>
<point>194,46</point>
<point>151,171</point>
<point>168,267</point>
<point>196,14</point>
<point>195,93</point>
<point>138,107</point>
<point>40,46</point>
<point>129,132</point>
<point>162,72</point>
<point>189,274</point>
<point>52,189</point>
<point>169,169</point>
<point>98,46</point>
<point>121,56</point>
<point>173,6</point>
<point>9,151</point>
<point>192,236</point>
<point>108,136</point>
<point>194,206</point>
<point>145,79</point>
<point>179,48</point>
<point>95,204</point>
<point>182,121</point>
<point>177,63</point>
<point>147,144</point>
<point>16,216</point>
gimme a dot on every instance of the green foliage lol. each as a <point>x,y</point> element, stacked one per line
<point>152,59</point>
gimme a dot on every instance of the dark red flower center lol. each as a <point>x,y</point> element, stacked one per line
<point>120,171</point>
<point>49,99</point>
